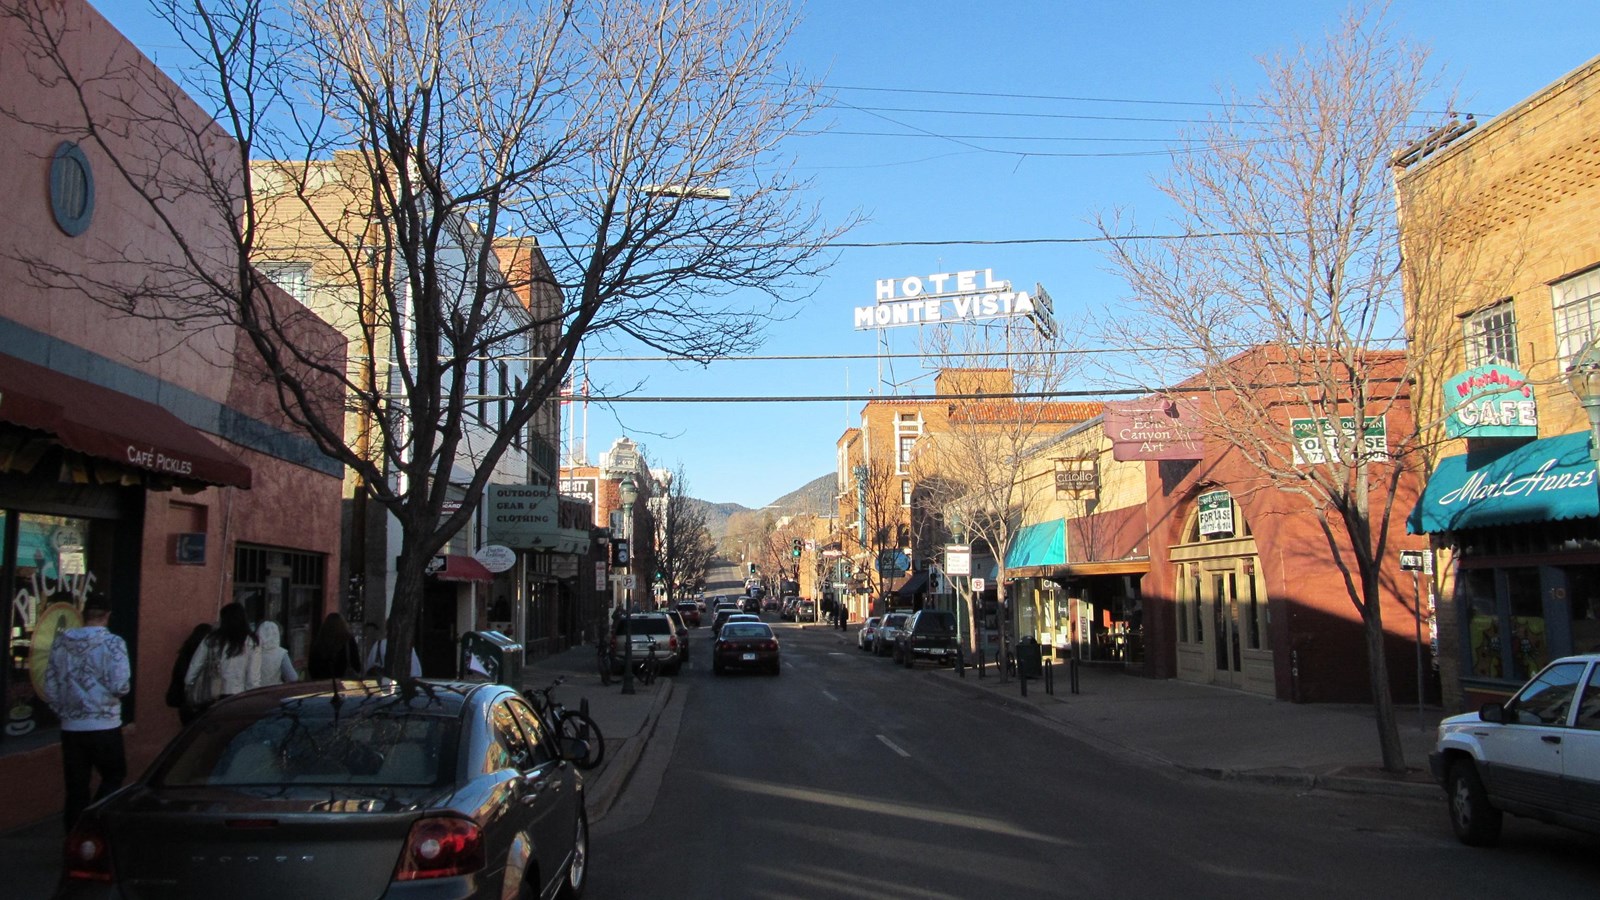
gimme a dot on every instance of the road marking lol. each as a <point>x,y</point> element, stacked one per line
<point>830,696</point>
<point>891,745</point>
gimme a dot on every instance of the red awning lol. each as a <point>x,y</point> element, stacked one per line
<point>106,424</point>
<point>462,568</point>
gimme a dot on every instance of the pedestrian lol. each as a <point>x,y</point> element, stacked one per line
<point>235,651</point>
<point>276,667</point>
<point>85,680</point>
<point>333,651</point>
<point>176,697</point>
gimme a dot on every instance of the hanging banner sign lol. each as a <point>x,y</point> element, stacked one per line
<point>1490,401</point>
<point>1154,428</point>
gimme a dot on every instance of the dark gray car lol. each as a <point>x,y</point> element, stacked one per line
<point>345,789</point>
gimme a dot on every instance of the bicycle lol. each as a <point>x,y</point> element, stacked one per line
<point>570,723</point>
<point>605,660</point>
<point>648,668</point>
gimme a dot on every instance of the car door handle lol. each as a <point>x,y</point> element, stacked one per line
<point>1551,738</point>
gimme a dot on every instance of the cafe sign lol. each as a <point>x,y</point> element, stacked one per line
<point>1317,441</point>
<point>1490,401</point>
<point>1216,513</point>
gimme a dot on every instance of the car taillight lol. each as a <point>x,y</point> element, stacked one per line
<point>769,645</point>
<point>672,644</point>
<point>88,856</point>
<point>441,847</point>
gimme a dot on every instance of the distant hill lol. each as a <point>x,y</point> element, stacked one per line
<point>815,497</point>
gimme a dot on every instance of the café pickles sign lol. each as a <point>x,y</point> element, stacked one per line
<point>1490,401</point>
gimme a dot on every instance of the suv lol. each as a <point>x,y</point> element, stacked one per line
<point>690,611</point>
<point>883,638</point>
<point>643,628</point>
<point>930,634</point>
<point>1536,755</point>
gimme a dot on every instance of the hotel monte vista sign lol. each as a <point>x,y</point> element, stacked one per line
<point>950,297</point>
<point>1490,401</point>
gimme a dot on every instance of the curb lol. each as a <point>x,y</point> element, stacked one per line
<point>623,758</point>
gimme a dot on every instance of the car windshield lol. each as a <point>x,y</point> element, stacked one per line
<point>317,740</point>
<point>744,630</point>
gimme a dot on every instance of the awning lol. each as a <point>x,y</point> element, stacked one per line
<point>1044,544</point>
<point>462,568</point>
<point>913,584</point>
<point>106,424</point>
<point>1542,481</point>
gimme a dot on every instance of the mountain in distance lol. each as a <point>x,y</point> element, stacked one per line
<point>815,497</point>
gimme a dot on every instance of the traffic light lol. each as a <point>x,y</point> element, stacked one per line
<point>619,553</point>
<point>794,548</point>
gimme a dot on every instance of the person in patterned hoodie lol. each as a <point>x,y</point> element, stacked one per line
<point>85,681</point>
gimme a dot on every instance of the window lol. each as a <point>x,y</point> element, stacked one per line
<point>1577,305</point>
<point>509,749</point>
<point>905,492</point>
<point>1491,336</point>
<point>1547,699</point>
<point>903,459</point>
<point>538,736</point>
<point>293,277</point>
<point>1183,607</point>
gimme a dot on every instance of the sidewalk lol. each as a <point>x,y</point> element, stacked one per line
<point>30,857</point>
<point>1216,732</point>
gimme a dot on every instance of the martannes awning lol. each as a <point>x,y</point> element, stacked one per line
<point>106,424</point>
<point>1542,481</point>
<point>1043,544</point>
<point>462,568</point>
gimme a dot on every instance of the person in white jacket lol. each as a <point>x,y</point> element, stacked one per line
<point>84,683</point>
<point>237,648</point>
<point>275,665</point>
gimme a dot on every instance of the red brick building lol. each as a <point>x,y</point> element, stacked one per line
<point>136,459</point>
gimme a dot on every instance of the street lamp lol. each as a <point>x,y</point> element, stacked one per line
<point>627,492</point>
<point>1583,377</point>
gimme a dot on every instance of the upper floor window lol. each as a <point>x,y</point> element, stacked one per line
<point>1577,307</point>
<point>905,492</point>
<point>902,460</point>
<point>1491,336</point>
<point>293,277</point>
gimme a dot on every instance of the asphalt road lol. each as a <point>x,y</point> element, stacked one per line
<point>849,777</point>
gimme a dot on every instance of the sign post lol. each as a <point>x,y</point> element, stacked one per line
<point>1415,561</point>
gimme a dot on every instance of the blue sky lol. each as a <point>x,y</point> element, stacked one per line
<point>927,143</point>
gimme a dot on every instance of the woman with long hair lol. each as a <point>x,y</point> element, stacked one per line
<point>333,651</point>
<point>180,672</point>
<point>234,644</point>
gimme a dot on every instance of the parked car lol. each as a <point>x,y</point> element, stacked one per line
<point>786,611</point>
<point>869,628</point>
<point>805,611</point>
<point>929,634</point>
<point>1536,755</point>
<point>883,640</point>
<point>346,789</point>
<point>769,604</point>
<point>690,611</point>
<point>682,630</point>
<point>745,645</point>
<point>642,629</point>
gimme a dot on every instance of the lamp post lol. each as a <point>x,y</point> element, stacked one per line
<point>1583,377</point>
<point>627,492</point>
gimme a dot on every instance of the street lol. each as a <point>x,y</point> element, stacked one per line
<point>850,777</point>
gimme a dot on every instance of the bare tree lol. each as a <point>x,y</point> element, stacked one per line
<point>641,143</point>
<point>683,542</point>
<point>968,471</point>
<point>1293,249</point>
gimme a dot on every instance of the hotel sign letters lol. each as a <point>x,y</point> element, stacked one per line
<point>951,297</point>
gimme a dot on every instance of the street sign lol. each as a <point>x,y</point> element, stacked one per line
<point>978,585</point>
<point>958,559</point>
<point>1416,561</point>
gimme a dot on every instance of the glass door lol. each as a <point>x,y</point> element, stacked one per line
<point>1225,624</point>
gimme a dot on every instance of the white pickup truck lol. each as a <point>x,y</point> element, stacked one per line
<point>1536,755</point>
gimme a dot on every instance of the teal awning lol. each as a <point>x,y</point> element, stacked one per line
<point>1541,481</point>
<point>1044,544</point>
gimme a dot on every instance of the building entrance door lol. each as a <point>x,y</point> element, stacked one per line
<point>1224,635</point>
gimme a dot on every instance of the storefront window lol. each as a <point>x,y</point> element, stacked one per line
<point>1183,607</point>
<point>1476,594</point>
<point>1256,612</point>
<point>1529,651</point>
<point>53,563</point>
<point>282,586</point>
<point>1583,592</point>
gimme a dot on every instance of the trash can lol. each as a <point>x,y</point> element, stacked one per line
<point>490,656</point>
<point>1030,659</point>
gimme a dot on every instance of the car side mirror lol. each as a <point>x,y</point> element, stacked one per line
<point>1492,712</point>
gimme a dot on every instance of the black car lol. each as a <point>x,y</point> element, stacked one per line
<point>929,634</point>
<point>346,789</point>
